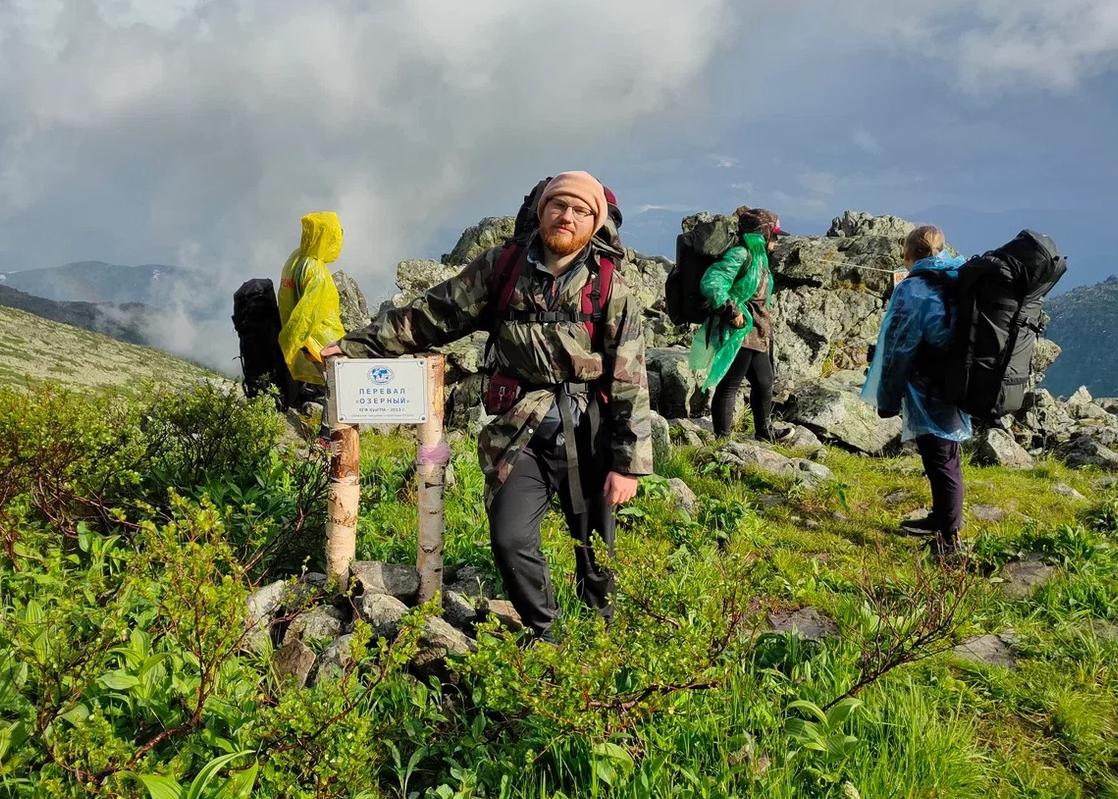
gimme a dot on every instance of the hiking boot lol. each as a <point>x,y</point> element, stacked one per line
<point>923,527</point>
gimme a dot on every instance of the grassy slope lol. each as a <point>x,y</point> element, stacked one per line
<point>940,727</point>
<point>35,350</point>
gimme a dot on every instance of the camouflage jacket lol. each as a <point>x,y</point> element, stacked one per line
<point>539,354</point>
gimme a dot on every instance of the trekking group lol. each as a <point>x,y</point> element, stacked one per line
<point>567,389</point>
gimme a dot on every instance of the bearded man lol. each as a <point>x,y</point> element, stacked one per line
<point>567,388</point>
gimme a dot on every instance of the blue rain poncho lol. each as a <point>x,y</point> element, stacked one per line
<point>916,315</point>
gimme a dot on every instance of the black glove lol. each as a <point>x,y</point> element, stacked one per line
<point>887,413</point>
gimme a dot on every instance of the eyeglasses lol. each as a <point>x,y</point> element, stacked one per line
<point>558,208</point>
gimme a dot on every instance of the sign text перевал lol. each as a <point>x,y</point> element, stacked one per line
<point>381,390</point>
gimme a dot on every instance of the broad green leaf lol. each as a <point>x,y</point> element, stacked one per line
<point>809,707</point>
<point>239,785</point>
<point>208,772</point>
<point>838,714</point>
<point>160,787</point>
<point>119,680</point>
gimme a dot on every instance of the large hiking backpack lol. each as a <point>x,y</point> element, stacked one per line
<point>996,303</point>
<point>695,250</point>
<point>257,322</point>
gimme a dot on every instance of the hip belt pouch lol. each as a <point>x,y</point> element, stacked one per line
<point>502,394</point>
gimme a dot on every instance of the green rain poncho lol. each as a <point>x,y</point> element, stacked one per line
<point>735,276</point>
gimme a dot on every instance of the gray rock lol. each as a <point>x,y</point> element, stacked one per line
<point>831,407</point>
<point>1044,420</point>
<point>1083,449</point>
<point>1106,483</point>
<point>317,624</point>
<point>459,610</point>
<point>894,498</point>
<point>818,329</point>
<point>744,454</point>
<point>679,386</point>
<point>860,223</point>
<point>987,513</point>
<point>994,649</point>
<point>645,276</point>
<point>803,440</point>
<point>438,640</point>
<point>995,447</point>
<point>383,613</point>
<point>293,663</point>
<point>335,659</point>
<point>806,622</point>
<point>491,231</point>
<point>505,613</point>
<point>1109,404</point>
<point>1022,578</point>
<point>262,605</point>
<point>769,501</point>
<point>1064,490</point>
<point>354,309</point>
<point>661,439</point>
<point>394,579</point>
<point>414,277</point>
<point>688,432</point>
<point>1044,355</point>
<point>683,494</point>
<point>811,474</point>
<point>470,581</point>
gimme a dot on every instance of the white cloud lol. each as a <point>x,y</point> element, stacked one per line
<point>205,129</point>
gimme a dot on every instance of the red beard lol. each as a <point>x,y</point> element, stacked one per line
<point>564,242</point>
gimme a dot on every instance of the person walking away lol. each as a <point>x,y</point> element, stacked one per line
<point>310,312</point>
<point>567,389</point>
<point>902,379</point>
<point>735,343</point>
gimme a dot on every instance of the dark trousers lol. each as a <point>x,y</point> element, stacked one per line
<point>515,513</point>
<point>758,369</point>
<point>944,468</point>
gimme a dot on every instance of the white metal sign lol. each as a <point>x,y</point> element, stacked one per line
<point>381,390</point>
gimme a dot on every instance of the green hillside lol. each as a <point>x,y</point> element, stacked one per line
<point>34,350</point>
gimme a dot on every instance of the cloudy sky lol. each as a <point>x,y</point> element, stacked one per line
<point>195,132</point>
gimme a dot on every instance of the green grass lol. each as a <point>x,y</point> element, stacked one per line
<point>940,727</point>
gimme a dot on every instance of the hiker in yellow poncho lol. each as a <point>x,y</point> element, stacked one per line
<point>308,299</point>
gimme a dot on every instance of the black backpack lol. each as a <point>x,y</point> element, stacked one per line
<point>996,305</point>
<point>695,250</point>
<point>257,322</point>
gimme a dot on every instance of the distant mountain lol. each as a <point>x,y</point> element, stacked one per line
<point>95,281</point>
<point>124,321</point>
<point>1085,325</point>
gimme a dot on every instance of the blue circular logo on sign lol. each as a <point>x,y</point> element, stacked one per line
<point>380,375</point>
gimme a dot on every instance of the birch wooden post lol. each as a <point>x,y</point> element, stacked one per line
<point>434,454</point>
<point>344,493</point>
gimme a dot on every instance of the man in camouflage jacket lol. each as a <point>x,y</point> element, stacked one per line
<point>550,439</point>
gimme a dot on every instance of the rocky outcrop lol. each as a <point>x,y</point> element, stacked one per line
<point>831,408</point>
<point>830,295</point>
<point>354,309</point>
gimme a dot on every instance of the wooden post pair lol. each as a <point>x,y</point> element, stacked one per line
<point>344,498</point>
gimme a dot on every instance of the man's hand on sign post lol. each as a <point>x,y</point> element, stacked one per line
<point>330,350</point>
<point>620,488</point>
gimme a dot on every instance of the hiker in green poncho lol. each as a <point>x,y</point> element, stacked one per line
<point>733,345</point>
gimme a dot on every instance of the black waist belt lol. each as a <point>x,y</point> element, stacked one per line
<point>564,396</point>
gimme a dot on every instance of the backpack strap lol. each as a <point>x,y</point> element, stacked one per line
<point>502,283</point>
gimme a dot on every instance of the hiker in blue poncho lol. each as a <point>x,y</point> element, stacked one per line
<point>902,380</point>
<point>734,344</point>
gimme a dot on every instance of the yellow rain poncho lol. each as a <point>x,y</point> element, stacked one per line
<point>308,299</point>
